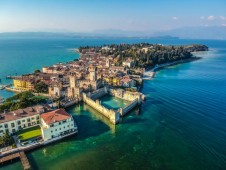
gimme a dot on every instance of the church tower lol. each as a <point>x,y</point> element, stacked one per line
<point>72,78</point>
<point>93,73</point>
<point>107,62</point>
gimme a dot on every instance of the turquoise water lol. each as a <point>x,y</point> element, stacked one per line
<point>111,102</point>
<point>181,125</point>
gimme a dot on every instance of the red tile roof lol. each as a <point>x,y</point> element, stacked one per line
<point>55,116</point>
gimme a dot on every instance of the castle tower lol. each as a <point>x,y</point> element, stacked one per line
<point>72,78</point>
<point>93,73</point>
<point>107,62</point>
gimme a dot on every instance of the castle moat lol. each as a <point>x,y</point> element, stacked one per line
<point>111,102</point>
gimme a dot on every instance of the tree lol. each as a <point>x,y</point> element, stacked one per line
<point>41,87</point>
<point>37,71</point>
<point>6,140</point>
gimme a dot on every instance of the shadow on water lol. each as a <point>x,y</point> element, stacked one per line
<point>134,120</point>
<point>7,164</point>
<point>88,127</point>
<point>32,162</point>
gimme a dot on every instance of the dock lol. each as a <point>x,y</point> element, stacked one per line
<point>25,163</point>
<point>12,77</point>
<point>9,157</point>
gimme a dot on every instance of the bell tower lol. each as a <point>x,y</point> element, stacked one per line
<point>72,78</point>
<point>108,62</point>
<point>93,73</point>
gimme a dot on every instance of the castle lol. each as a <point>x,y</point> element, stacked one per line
<point>77,86</point>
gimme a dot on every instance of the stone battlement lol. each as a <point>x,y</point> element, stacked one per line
<point>112,115</point>
<point>91,99</point>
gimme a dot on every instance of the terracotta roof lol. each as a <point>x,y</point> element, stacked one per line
<point>22,113</point>
<point>55,116</point>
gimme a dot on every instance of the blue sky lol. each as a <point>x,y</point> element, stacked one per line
<point>90,15</point>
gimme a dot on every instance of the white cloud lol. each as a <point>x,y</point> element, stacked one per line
<point>222,17</point>
<point>175,18</point>
<point>224,25</point>
<point>202,17</point>
<point>211,17</point>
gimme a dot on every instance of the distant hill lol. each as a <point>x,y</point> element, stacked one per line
<point>186,33</point>
<point>96,34</point>
<point>217,32</point>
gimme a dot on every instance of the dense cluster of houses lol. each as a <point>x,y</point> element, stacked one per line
<point>91,71</point>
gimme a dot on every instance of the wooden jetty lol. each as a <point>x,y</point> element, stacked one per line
<point>24,161</point>
<point>21,155</point>
<point>9,157</point>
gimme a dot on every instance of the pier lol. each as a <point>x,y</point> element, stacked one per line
<point>25,163</point>
<point>9,157</point>
<point>11,77</point>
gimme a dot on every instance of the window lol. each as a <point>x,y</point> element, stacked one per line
<point>64,121</point>
<point>0,126</point>
<point>55,129</point>
<point>12,125</point>
<point>37,117</point>
<point>6,125</point>
<point>23,120</point>
<point>51,131</point>
<point>60,128</point>
<point>52,125</point>
<point>18,122</point>
<point>13,130</point>
<point>28,120</point>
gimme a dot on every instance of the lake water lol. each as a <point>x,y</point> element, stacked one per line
<point>181,125</point>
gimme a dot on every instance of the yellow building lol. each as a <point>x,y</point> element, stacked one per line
<point>116,81</point>
<point>23,84</point>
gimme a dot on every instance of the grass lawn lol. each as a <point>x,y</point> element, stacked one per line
<point>29,133</point>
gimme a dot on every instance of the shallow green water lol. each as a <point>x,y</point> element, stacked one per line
<point>111,102</point>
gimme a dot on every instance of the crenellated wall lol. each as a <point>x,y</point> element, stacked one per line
<point>112,115</point>
<point>135,99</point>
<point>128,107</point>
<point>126,95</point>
<point>98,93</point>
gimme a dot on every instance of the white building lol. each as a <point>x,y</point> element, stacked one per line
<point>129,63</point>
<point>53,123</point>
<point>57,123</point>
<point>11,122</point>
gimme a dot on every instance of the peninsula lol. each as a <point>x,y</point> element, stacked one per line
<point>35,116</point>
